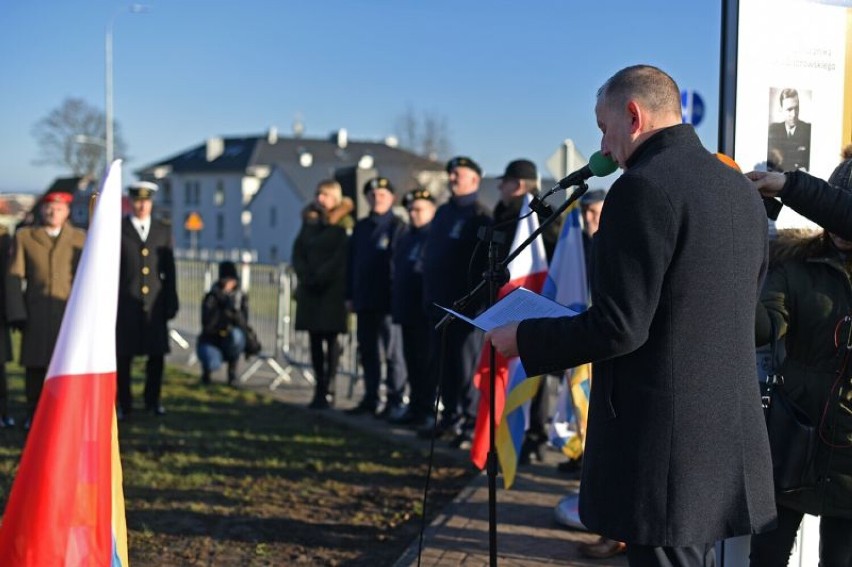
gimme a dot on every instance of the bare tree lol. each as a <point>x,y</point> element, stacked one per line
<point>426,133</point>
<point>72,136</point>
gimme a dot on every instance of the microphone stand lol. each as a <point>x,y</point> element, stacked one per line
<point>496,276</point>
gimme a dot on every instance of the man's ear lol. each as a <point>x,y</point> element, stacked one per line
<point>637,117</point>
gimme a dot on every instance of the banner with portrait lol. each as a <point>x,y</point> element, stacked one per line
<point>787,86</point>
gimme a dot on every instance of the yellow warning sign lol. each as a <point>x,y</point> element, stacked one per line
<point>193,222</point>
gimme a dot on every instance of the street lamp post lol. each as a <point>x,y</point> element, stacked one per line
<point>108,137</point>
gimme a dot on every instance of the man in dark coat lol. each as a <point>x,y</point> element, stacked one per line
<point>368,293</point>
<point>408,310</point>
<point>147,298</point>
<point>451,269</point>
<point>676,454</point>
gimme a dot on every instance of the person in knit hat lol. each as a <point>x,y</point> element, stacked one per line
<point>807,303</point>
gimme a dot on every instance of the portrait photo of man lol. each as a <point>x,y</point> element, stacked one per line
<point>789,140</point>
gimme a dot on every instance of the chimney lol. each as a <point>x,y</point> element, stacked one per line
<point>272,136</point>
<point>298,126</point>
<point>215,148</point>
<point>341,138</point>
<point>392,141</point>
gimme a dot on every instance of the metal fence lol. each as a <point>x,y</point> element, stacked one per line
<point>272,309</point>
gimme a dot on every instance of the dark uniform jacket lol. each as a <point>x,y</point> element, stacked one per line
<point>806,294</point>
<point>794,150</point>
<point>676,452</point>
<point>147,290</point>
<point>319,255</point>
<point>369,268</point>
<point>47,265</point>
<point>5,339</point>
<point>504,214</point>
<point>407,297</point>
<point>450,268</point>
<point>828,206</point>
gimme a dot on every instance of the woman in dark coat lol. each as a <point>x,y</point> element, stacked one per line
<point>319,258</point>
<point>808,299</point>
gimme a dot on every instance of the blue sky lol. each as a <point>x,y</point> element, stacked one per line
<point>512,78</point>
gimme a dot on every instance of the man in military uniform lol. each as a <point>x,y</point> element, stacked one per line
<point>44,260</point>
<point>368,292</point>
<point>147,298</point>
<point>450,270</point>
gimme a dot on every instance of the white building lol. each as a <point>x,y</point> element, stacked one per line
<point>250,191</point>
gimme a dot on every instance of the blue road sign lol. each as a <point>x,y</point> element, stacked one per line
<point>692,107</point>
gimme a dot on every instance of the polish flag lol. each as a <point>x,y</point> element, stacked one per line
<point>528,269</point>
<point>66,506</point>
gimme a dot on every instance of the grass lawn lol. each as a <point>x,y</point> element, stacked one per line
<point>229,477</point>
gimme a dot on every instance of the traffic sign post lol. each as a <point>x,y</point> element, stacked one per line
<point>193,223</point>
<point>691,107</point>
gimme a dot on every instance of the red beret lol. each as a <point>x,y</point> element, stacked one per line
<point>58,197</point>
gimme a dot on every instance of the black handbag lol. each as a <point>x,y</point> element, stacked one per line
<point>253,345</point>
<point>792,434</point>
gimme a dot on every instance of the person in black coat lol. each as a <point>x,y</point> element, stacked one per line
<point>147,298</point>
<point>519,179</point>
<point>224,321</point>
<point>827,205</point>
<point>452,267</point>
<point>408,310</point>
<point>319,256</point>
<point>676,454</point>
<point>368,294</point>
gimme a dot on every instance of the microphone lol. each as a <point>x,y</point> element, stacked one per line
<point>599,166</point>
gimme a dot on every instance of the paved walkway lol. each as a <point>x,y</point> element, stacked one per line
<point>527,533</point>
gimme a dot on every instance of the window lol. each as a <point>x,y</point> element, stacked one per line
<point>219,195</point>
<point>192,192</point>
<point>220,226</point>
<point>166,187</point>
<point>273,217</point>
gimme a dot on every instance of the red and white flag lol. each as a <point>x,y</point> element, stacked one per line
<point>66,506</point>
<point>528,269</point>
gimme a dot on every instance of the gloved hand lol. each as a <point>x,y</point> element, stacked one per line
<point>17,325</point>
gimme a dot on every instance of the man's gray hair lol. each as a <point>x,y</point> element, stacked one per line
<point>653,87</point>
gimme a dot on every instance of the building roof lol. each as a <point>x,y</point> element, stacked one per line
<point>239,154</point>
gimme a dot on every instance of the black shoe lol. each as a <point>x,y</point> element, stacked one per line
<point>362,408</point>
<point>406,417</point>
<point>319,403</point>
<point>157,410</point>
<point>463,441</point>
<point>447,428</point>
<point>529,448</point>
<point>205,378</point>
<point>571,466</point>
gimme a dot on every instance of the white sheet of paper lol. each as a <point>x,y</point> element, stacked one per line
<point>518,305</point>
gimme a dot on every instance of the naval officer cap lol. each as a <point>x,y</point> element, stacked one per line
<point>142,190</point>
